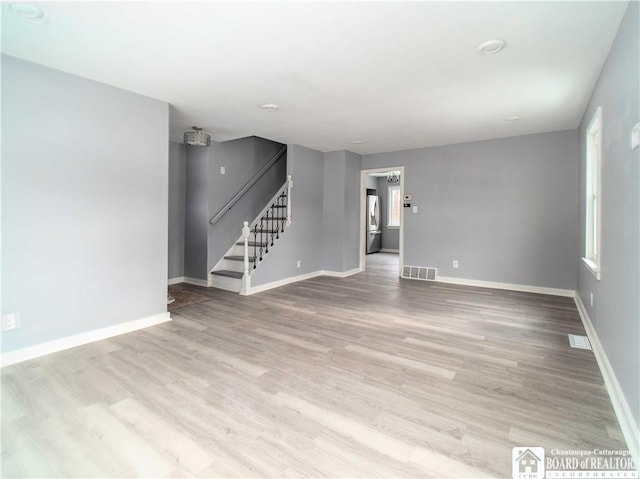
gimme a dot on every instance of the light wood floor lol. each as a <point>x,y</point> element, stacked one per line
<point>368,376</point>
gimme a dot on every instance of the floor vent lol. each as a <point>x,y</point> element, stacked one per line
<point>580,342</point>
<point>419,272</point>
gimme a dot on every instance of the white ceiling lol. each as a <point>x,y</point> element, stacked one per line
<point>396,75</point>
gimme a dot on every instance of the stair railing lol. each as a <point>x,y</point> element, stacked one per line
<point>247,187</point>
<point>265,227</point>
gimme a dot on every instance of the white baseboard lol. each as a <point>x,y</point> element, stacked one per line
<point>339,274</point>
<point>569,293</point>
<point>618,400</point>
<point>387,250</point>
<point>179,279</point>
<point>281,282</point>
<point>196,282</point>
<point>31,352</point>
<point>294,279</point>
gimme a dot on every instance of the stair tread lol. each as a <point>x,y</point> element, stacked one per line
<point>252,243</point>
<point>230,274</point>
<point>234,257</point>
<point>278,206</point>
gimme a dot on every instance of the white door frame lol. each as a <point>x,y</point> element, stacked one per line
<point>363,212</point>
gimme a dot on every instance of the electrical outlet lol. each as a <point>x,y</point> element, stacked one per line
<point>298,263</point>
<point>635,136</point>
<point>415,209</point>
<point>591,299</point>
<point>455,263</point>
<point>10,321</point>
<point>223,170</point>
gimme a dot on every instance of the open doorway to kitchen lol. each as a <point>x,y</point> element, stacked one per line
<point>381,218</point>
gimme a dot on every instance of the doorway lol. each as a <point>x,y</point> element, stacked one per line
<point>384,187</point>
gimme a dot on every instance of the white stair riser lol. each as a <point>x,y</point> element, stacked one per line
<point>224,282</point>
<point>233,265</point>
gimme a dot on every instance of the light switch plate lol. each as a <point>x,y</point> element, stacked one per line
<point>635,136</point>
<point>223,170</point>
<point>415,209</point>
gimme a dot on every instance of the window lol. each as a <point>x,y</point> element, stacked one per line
<point>393,207</point>
<point>593,194</point>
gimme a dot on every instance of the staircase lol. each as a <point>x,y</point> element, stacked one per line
<point>233,271</point>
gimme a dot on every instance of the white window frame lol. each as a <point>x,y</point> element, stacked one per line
<point>390,188</point>
<point>593,189</point>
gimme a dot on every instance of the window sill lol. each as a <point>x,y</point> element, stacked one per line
<point>592,267</point>
<point>392,227</point>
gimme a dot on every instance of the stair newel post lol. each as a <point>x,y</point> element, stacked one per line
<point>246,231</point>
<point>289,186</point>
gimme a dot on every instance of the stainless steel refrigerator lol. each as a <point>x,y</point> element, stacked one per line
<point>374,225</point>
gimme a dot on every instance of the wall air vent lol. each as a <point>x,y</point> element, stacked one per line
<point>419,272</point>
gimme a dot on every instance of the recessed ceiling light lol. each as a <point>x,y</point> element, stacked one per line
<point>270,107</point>
<point>513,118</point>
<point>358,142</point>
<point>492,46</point>
<point>28,12</point>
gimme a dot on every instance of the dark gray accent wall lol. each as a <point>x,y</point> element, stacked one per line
<point>390,237</point>
<point>208,191</point>
<point>506,209</point>
<point>177,198</point>
<point>242,159</point>
<point>84,204</point>
<point>615,313</point>
<point>302,240</point>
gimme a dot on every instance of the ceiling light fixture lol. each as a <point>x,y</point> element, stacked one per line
<point>513,118</point>
<point>197,137</point>
<point>358,142</point>
<point>270,107</point>
<point>393,177</point>
<point>28,12</point>
<point>492,46</point>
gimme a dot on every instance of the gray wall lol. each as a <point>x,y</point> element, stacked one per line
<point>84,204</point>
<point>208,191</point>
<point>506,209</point>
<point>196,212</point>
<point>351,236</point>
<point>341,210</point>
<point>302,240</point>
<point>177,198</point>
<point>616,308</point>
<point>390,237</point>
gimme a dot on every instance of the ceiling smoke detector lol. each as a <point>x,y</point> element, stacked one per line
<point>197,137</point>
<point>492,46</point>
<point>270,107</point>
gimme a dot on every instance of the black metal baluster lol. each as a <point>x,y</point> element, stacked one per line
<point>271,227</point>
<point>284,211</point>
<point>263,236</point>
<point>276,212</point>
<point>255,245</point>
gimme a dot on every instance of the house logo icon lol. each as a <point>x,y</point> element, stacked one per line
<point>528,462</point>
